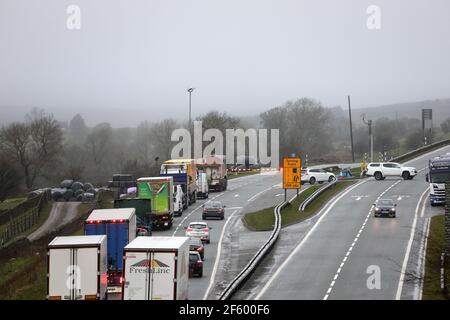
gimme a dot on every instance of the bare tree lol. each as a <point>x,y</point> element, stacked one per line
<point>34,145</point>
<point>98,143</point>
<point>9,179</point>
<point>304,127</point>
<point>143,143</point>
<point>220,121</point>
<point>161,133</point>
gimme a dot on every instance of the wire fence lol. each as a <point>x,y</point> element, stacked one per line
<point>20,223</point>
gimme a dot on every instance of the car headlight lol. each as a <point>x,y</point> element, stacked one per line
<point>392,209</point>
<point>377,209</point>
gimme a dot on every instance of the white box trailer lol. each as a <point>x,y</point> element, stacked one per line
<point>156,268</point>
<point>77,268</point>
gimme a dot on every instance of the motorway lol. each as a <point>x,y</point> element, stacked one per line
<point>244,194</point>
<point>348,254</point>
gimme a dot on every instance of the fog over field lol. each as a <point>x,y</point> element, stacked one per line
<point>133,61</point>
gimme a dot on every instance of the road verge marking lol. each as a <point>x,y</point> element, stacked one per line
<point>322,216</point>
<point>354,243</point>
<point>408,248</point>
<point>219,249</point>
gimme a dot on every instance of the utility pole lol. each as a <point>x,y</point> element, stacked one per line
<point>369,123</point>
<point>351,129</point>
<point>190,94</point>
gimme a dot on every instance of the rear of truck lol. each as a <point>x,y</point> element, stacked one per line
<point>143,211</point>
<point>156,272</point>
<point>77,268</point>
<point>216,172</point>
<point>184,173</point>
<point>160,191</point>
<point>119,232</point>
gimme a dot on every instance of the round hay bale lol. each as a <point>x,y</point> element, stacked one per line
<point>68,194</point>
<point>77,186</point>
<point>91,191</point>
<point>33,194</point>
<point>87,186</point>
<point>78,192</point>
<point>66,184</point>
<point>56,194</point>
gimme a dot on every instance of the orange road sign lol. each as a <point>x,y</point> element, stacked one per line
<point>291,173</point>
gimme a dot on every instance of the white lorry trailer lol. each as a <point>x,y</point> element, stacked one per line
<point>156,268</point>
<point>77,268</point>
<point>202,185</point>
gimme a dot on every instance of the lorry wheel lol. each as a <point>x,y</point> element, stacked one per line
<point>312,180</point>
<point>405,175</point>
<point>378,176</point>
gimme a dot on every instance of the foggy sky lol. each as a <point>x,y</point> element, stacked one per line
<point>134,60</point>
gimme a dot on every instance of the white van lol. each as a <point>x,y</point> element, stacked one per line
<point>178,196</point>
<point>202,185</point>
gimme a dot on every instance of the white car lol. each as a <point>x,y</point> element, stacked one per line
<point>316,175</point>
<point>381,170</point>
<point>198,230</point>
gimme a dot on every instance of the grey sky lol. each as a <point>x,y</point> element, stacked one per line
<point>133,60</point>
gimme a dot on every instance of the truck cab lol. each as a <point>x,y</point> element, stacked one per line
<point>184,173</point>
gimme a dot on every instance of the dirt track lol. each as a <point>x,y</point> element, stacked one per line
<point>61,214</point>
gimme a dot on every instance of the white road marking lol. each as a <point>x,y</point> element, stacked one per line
<point>354,242</point>
<point>305,238</point>
<point>236,195</point>
<point>190,213</point>
<point>219,249</point>
<point>422,212</point>
<point>408,248</point>
<point>258,194</point>
<point>421,260</point>
<point>357,198</point>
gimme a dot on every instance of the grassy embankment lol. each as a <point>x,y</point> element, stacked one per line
<point>435,246</point>
<point>23,267</point>
<point>263,220</point>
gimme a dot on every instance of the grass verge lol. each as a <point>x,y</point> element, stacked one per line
<point>435,246</point>
<point>23,266</point>
<point>263,220</point>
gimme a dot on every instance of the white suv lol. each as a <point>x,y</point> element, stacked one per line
<point>381,170</point>
<point>316,175</point>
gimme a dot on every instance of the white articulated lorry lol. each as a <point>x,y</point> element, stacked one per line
<point>77,268</point>
<point>156,268</point>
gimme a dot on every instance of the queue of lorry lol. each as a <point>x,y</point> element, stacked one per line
<point>119,253</point>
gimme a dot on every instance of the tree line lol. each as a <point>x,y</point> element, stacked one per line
<point>40,151</point>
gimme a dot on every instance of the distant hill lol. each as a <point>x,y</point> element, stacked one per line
<point>441,110</point>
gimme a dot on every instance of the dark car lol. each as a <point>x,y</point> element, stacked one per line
<point>195,244</point>
<point>213,209</point>
<point>384,207</point>
<point>195,264</point>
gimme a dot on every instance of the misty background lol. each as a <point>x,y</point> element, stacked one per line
<point>134,60</point>
<point>85,104</point>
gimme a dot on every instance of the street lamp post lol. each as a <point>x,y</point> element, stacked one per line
<point>369,123</point>
<point>190,94</point>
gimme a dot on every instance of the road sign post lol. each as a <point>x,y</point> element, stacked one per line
<point>291,174</point>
